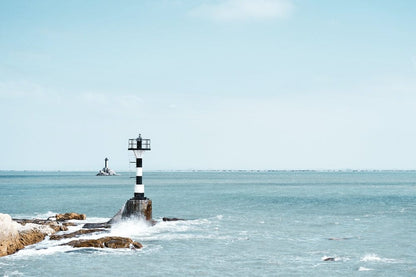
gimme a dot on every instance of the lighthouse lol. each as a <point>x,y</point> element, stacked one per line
<point>139,146</point>
<point>139,205</point>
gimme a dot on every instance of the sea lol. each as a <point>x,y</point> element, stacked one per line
<point>237,223</point>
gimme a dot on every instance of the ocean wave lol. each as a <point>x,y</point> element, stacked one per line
<point>375,258</point>
<point>334,258</point>
<point>13,273</point>
<point>361,268</point>
<point>163,230</point>
<point>35,215</point>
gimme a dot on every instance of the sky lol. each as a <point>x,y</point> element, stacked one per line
<point>219,84</point>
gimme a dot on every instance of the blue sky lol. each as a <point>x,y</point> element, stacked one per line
<point>226,84</point>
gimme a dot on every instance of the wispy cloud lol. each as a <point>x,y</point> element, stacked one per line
<point>241,10</point>
<point>22,89</point>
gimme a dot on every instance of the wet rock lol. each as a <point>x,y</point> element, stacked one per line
<point>136,208</point>
<point>15,236</point>
<point>45,222</point>
<point>69,216</point>
<point>329,259</point>
<point>106,242</point>
<point>66,224</point>
<point>9,235</point>
<point>31,236</point>
<point>172,219</point>
<point>96,225</point>
<point>76,234</point>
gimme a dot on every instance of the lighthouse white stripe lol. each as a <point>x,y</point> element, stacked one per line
<point>139,189</point>
<point>139,171</point>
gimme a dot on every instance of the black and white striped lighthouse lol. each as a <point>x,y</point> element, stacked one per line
<point>139,206</point>
<point>139,145</point>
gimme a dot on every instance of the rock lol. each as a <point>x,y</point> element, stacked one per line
<point>75,234</point>
<point>31,236</point>
<point>66,224</point>
<point>96,225</point>
<point>51,223</point>
<point>106,172</point>
<point>136,208</point>
<point>329,259</point>
<point>69,216</point>
<point>15,236</point>
<point>106,242</point>
<point>172,219</point>
<point>9,235</point>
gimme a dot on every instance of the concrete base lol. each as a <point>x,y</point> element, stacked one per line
<point>137,208</point>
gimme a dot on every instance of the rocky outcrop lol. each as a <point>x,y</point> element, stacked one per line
<point>9,235</point>
<point>69,216</point>
<point>46,222</point>
<point>106,242</point>
<point>17,233</point>
<point>104,225</point>
<point>76,234</point>
<point>31,236</point>
<point>106,172</point>
<point>15,236</point>
<point>136,208</point>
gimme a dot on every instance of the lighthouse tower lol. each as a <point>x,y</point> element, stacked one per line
<point>139,145</point>
<point>139,205</point>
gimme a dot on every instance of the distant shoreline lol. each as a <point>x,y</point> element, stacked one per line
<point>226,170</point>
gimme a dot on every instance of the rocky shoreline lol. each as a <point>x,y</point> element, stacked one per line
<point>15,234</point>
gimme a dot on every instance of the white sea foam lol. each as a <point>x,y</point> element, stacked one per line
<point>13,273</point>
<point>364,269</point>
<point>336,258</point>
<point>374,258</point>
<point>169,230</point>
<point>8,227</point>
<point>36,215</point>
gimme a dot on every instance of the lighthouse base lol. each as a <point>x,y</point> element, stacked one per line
<point>137,208</point>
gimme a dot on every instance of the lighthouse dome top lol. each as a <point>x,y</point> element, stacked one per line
<point>139,143</point>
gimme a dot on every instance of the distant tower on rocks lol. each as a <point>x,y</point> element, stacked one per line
<point>139,205</point>
<point>106,171</point>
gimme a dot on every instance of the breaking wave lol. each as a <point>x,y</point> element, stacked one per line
<point>374,258</point>
<point>361,268</point>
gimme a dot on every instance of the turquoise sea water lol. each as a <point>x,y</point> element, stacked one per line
<point>280,223</point>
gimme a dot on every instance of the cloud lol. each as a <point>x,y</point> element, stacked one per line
<point>21,89</point>
<point>241,10</point>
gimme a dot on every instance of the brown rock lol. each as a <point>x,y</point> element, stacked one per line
<point>66,224</point>
<point>46,222</point>
<point>106,242</point>
<point>69,216</point>
<point>31,236</point>
<point>75,234</point>
<point>9,245</point>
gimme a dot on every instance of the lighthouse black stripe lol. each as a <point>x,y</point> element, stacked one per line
<point>139,180</point>
<point>139,162</point>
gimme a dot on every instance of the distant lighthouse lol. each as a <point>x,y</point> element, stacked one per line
<point>139,205</point>
<point>106,171</point>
